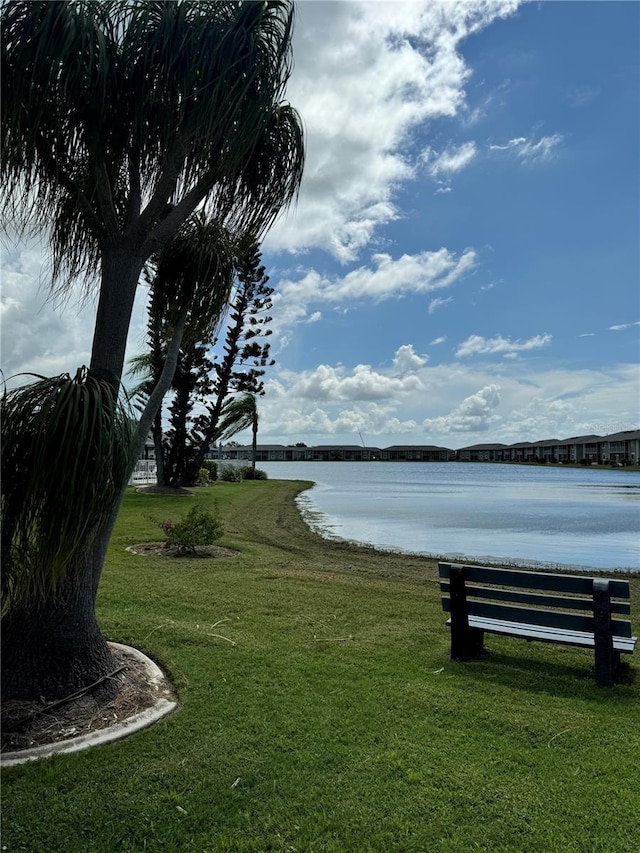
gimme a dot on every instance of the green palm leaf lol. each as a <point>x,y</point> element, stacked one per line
<point>67,451</point>
<point>110,110</point>
<point>238,414</point>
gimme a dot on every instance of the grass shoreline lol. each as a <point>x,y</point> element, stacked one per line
<point>319,711</point>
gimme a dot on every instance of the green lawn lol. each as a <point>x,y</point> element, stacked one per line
<point>330,718</point>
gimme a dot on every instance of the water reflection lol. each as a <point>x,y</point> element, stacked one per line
<point>506,513</point>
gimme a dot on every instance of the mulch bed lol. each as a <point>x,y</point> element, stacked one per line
<point>29,724</point>
<point>164,549</point>
<point>165,490</point>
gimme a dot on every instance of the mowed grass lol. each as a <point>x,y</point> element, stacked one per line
<point>319,711</point>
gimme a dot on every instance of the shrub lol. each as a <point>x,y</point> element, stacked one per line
<point>212,467</point>
<point>230,474</point>
<point>202,478</point>
<point>198,527</point>
<point>249,473</point>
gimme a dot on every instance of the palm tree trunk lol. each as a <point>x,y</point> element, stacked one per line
<point>159,450</point>
<point>53,647</point>
<point>254,445</point>
<point>121,268</point>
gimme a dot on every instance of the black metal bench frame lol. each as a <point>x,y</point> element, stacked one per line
<point>570,610</point>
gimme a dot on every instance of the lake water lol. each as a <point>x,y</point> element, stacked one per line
<point>536,516</point>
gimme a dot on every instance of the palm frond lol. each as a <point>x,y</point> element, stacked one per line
<point>269,179</point>
<point>67,450</point>
<point>57,60</point>
<point>238,414</point>
<point>195,269</point>
<point>114,113</point>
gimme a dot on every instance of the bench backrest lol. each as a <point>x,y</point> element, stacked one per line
<point>537,598</point>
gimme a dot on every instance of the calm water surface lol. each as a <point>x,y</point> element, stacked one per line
<point>504,513</point>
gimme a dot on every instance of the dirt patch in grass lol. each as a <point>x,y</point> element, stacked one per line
<point>164,549</point>
<point>34,723</point>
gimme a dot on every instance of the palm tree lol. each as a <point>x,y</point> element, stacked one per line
<point>194,271</point>
<point>119,120</point>
<point>239,414</point>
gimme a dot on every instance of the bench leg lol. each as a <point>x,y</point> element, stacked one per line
<point>466,643</point>
<point>607,659</point>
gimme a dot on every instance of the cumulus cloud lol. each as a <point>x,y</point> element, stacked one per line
<point>530,151</point>
<point>540,417</point>
<point>437,341</point>
<point>46,337</point>
<point>385,278</point>
<point>366,76</point>
<point>529,404</point>
<point>477,345</point>
<point>407,359</point>
<point>325,424</point>
<point>362,383</point>
<point>474,414</point>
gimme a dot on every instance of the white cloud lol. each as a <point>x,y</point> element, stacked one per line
<point>477,345</point>
<point>437,341</point>
<point>366,76</point>
<point>362,383</point>
<point>449,161</point>
<point>580,96</point>
<point>460,404</point>
<point>474,115</point>
<point>623,326</point>
<point>386,278</point>
<point>438,302</point>
<point>474,414</point>
<point>46,337</point>
<point>407,359</point>
<point>529,151</point>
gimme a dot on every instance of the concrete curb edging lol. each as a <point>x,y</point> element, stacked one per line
<point>135,723</point>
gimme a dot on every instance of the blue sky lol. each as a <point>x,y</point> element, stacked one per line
<point>463,261</point>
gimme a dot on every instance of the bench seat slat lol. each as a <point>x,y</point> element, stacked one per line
<point>535,598</point>
<point>573,584</point>
<point>543,618</point>
<point>546,634</point>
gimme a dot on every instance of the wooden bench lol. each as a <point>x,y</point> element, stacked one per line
<point>551,608</point>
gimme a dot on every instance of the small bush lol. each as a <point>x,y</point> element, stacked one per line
<point>202,478</point>
<point>212,467</point>
<point>249,473</point>
<point>230,474</point>
<point>198,527</point>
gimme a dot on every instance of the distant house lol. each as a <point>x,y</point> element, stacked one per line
<point>145,471</point>
<point>623,447</point>
<point>483,453</point>
<point>416,453</point>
